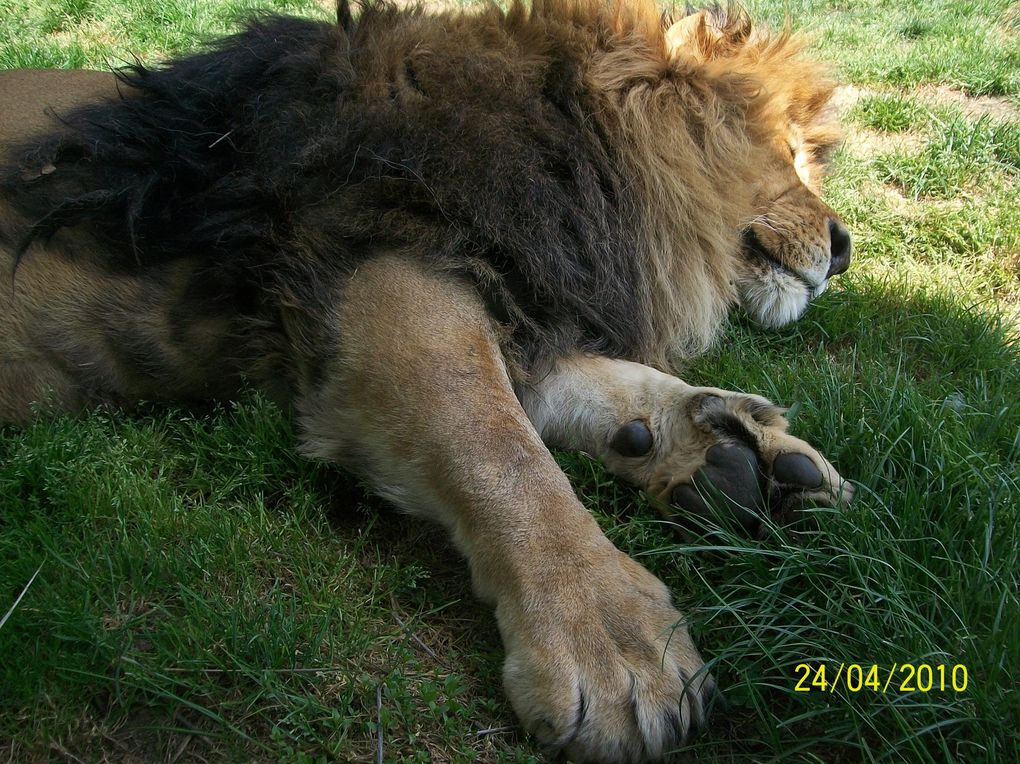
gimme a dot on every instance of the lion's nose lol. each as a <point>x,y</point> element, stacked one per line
<point>839,247</point>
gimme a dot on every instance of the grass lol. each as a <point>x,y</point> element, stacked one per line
<point>202,593</point>
<point>888,113</point>
<point>962,157</point>
<point>966,45</point>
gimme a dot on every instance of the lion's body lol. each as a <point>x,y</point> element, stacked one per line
<point>403,227</point>
<point>297,151</point>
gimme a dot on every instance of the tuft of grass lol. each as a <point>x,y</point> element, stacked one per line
<point>66,15</point>
<point>889,113</point>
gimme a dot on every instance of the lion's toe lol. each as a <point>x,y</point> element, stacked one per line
<point>732,478</point>
<point>611,676</point>
<point>621,712</point>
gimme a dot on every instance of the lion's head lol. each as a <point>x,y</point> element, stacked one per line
<point>724,132</point>
<point>796,243</point>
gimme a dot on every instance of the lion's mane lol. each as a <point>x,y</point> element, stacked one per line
<point>588,180</point>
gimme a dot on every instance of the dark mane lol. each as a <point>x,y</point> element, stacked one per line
<point>293,148</point>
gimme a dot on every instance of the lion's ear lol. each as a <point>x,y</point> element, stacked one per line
<point>684,31</point>
<point>344,17</point>
<point>695,30</point>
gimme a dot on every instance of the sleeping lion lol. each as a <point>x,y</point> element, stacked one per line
<point>448,242</point>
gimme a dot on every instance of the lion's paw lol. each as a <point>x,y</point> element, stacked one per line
<point>600,667</point>
<point>716,449</point>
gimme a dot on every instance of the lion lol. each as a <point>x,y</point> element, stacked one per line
<point>446,242</point>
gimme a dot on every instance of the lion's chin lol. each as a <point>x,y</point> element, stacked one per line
<point>775,298</point>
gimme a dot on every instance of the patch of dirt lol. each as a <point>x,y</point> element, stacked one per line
<point>862,143</point>
<point>893,197</point>
<point>996,107</point>
<point>845,97</point>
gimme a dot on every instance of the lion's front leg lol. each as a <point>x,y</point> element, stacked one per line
<point>688,447</point>
<point>598,662</point>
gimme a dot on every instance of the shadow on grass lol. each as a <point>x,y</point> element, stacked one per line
<point>913,395</point>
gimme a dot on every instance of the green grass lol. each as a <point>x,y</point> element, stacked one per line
<point>962,157</point>
<point>970,45</point>
<point>194,574</point>
<point>98,33</point>
<point>888,113</point>
<point>203,593</point>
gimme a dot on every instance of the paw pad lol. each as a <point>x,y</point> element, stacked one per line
<point>633,439</point>
<point>796,469</point>
<point>732,474</point>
